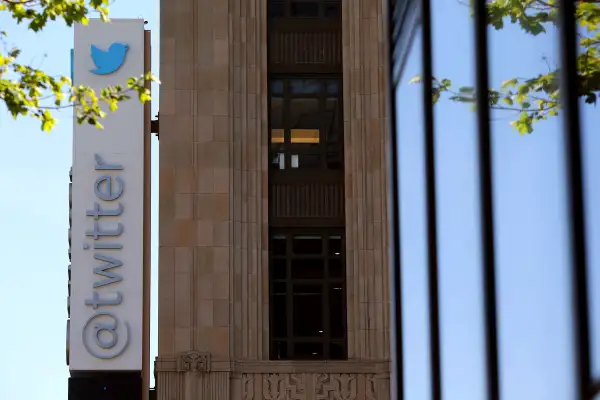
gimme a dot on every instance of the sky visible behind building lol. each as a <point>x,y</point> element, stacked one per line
<point>534,313</point>
<point>531,220</point>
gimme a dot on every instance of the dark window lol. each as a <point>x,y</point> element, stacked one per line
<point>323,9</point>
<point>308,297</point>
<point>306,123</point>
<point>276,9</point>
<point>333,10</point>
<point>305,9</point>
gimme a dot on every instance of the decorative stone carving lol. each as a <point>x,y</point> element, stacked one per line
<point>193,361</point>
<point>271,384</point>
<point>283,387</point>
<point>371,389</point>
<point>248,386</point>
<point>335,386</point>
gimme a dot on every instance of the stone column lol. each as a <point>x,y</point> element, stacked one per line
<point>365,125</point>
<point>248,108</point>
<point>195,211</point>
<point>213,263</point>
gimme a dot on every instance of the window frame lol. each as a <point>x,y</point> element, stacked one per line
<point>324,148</point>
<point>321,14</point>
<point>326,340</point>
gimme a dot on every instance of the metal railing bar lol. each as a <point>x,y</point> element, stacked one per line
<point>576,205</point>
<point>594,390</point>
<point>396,347</point>
<point>486,197</point>
<point>430,182</point>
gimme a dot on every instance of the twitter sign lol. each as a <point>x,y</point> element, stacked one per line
<point>108,61</point>
<point>106,326</point>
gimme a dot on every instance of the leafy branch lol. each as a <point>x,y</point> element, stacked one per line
<point>30,92</point>
<point>536,98</point>
<point>37,13</point>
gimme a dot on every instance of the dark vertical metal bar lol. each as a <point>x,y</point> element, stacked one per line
<point>326,301</point>
<point>486,196</point>
<point>594,390</point>
<point>397,373</point>
<point>569,83</point>
<point>345,297</point>
<point>289,296</point>
<point>432,239</point>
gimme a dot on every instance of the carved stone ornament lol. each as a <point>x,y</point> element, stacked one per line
<point>193,361</point>
<point>371,390</point>
<point>248,386</point>
<point>336,386</point>
<point>283,387</point>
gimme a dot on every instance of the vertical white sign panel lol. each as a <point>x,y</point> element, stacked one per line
<point>107,213</point>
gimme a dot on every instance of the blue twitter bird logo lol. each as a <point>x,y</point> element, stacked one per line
<point>109,61</point>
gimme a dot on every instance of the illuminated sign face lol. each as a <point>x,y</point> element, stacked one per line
<point>106,301</point>
<point>108,61</point>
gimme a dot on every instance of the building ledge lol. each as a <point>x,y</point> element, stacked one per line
<point>203,362</point>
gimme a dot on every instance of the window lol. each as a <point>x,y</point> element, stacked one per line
<point>306,123</point>
<point>323,9</point>
<point>308,297</point>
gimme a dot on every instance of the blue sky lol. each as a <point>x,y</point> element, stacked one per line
<point>530,216</point>
<point>34,175</point>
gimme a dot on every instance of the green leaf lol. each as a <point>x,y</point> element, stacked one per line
<point>47,121</point>
<point>523,89</point>
<point>509,83</point>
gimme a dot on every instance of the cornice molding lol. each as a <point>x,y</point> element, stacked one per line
<point>194,361</point>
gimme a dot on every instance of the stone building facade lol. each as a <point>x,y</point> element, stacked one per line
<point>217,204</point>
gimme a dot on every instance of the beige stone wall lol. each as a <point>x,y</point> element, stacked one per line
<point>365,133</point>
<point>213,264</point>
